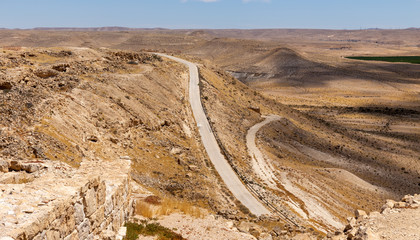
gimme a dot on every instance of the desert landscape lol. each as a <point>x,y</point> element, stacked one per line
<point>282,136</point>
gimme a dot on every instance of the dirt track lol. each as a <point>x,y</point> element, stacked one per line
<point>267,173</point>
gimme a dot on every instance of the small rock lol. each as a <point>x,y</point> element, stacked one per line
<point>46,73</point>
<point>348,227</point>
<point>408,199</point>
<point>175,151</point>
<point>374,214</point>
<point>255,109</point>
<point>4,166</point>
<point>265,236</point>
<point>92,138</point>
<point>29,210</point>
<point>5,86</point>
<point>133,62</point>
<point>351,223</point>
<point>360,213</point>
<point>15,165</point>
<point>164,123</point>
<point>389,204</point>
<point>339,237</point>
<point>415,205</point>
<point>29,167</point>
<point>244,227</point>
<point>122,231</point>
<point>278,231</point>
<point>229,224</point>
<point>192,168</point>
<point>386,210</point>
<point>352,233</point>
<point>61,67</point>
<point>400,205</point>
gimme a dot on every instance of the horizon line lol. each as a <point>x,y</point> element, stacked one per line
<point>105,28</point>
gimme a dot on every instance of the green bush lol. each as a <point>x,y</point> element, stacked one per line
<point>150,229</point>
<point>408,59</point>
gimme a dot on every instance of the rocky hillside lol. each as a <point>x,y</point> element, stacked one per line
<point>333,151</point>
<point>70,104</point>
<point>323,171</point>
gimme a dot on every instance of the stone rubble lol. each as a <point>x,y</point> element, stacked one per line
<point>397,220</point>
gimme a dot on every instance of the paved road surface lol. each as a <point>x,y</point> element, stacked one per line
<point>209,141</point>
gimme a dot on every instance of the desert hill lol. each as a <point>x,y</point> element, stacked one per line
<point>346,138</point>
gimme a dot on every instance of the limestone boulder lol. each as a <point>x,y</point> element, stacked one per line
<point>4,165</point>
<point>46,73</point>
<point>265,236</point>
<point>27,166</point>
<point>360,213</point>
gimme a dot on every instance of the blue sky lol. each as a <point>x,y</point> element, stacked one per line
<point>326,14</point>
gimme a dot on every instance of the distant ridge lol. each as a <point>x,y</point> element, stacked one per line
<point>117,28</point>
<point>95,29</point>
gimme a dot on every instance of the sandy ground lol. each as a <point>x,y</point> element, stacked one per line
<point>207,228</point>
<point>402,224</point>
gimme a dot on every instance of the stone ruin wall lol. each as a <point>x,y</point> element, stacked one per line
<point>92,204</point>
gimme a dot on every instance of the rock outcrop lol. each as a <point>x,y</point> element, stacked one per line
<point>66,203</point>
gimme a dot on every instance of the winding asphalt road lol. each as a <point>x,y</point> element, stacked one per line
<point>210,144</point>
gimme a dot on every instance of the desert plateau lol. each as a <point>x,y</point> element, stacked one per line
<point>132,133</point>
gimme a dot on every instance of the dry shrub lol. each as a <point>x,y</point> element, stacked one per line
<point>155,200</point>
<point>146,209</point>
<point>154,206</point>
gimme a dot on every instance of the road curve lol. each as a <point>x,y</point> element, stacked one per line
<point>266,172</point>
<point>221,165</point>
<point>261,167</point>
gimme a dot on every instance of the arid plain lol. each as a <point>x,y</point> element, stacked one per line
<point>346,135</point>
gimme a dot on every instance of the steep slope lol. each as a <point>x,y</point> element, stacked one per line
<point>323,169</point>
<point>77,103</point>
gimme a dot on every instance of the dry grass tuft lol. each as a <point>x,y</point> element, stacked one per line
<point>154,206</point>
